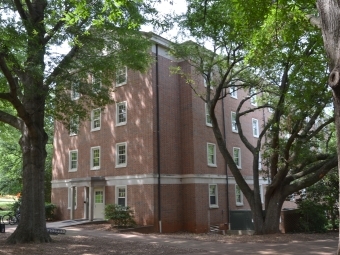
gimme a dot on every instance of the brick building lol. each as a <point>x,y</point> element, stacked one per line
<point>153,150</point>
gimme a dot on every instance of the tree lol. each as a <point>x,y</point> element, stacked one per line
<point>10,158</point>
<point>11,161</point>
<point>329,23</point>
<point>324,193</point>
<point>36,78</point>
<point>265,57</point>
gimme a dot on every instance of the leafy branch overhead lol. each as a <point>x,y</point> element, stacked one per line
<point>268,51</point>
<point>49,50</point>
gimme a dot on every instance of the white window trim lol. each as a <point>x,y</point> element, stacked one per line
<point>92,120</point>
<point>233,92</point>
<point>117,194</point>
<point>117,113</point>
<point>257,127</point>
<point>216,195</point>
<point>207,115</point>
<point>124,82</point>
<point>69,198</point>
<point>74,119</point>
<point>75,95</point>
<point>254,97</point>
<point>238,203</point>
<point>95,167</point>
<point>239,157</point>
<point>70,169</point>
<point>117,155</point>
<point>261,193</point>
<point>260,161</point>
<point>232,122</point>
<point>209,164</point>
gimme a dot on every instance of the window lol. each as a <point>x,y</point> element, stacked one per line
<point>73,165</point>
<point>98,196</point>
<point>260,161</point>
<point>121,155</point>
<point>95,119</point>
<point>233,122</point>
<point>121,76</point>
<point>207,116</point>
<point>95,158</point>
<point>74,197</point>
<point>261,193</point>
<point>233,91</point>
<point>238,196</point>
<point>96,83</point>
<point>74,91</point>
<point>204,81</point>
<point>255,124</point>
<point>211,154</point>
<point>74,125</point>
<point>213,198</point>
<point>237,156</point>
<point>121,196</point>
<point>121,113</point>
<point>252,93</point>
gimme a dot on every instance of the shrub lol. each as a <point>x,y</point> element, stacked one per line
<point>313,217</point>
<point>120,216</point>
<point>49,211</point>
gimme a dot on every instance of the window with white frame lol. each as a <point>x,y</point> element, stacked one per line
<point>121,76</point>
<point>237,156</point>
<point>207,116</point>
<point>233,91</point>
<point>121,113</point>
<point>260,161</point>
<point>211,154</point>
<point>95,119</point>
<point>238,196</point>
<point>233,122</point>
<point>75,91</point>
<point>73,159</point>
<point>261,192</point>
<point>204,81</point>
<point>121,154</point>
<point>69,195</point>
<point>255,124</point>
<point>96,83</point>
<point>213,195</point>
<point>252,93</point>
<point>74,125</point>
<point>121,198</point>
<point>95,158</point>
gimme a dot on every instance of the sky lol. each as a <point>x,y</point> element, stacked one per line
<point>165,7</point>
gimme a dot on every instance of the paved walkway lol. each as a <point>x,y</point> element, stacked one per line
<point>321,247</point>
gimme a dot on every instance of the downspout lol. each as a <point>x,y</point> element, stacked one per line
<point>226,166</point>
<point>158,144</point>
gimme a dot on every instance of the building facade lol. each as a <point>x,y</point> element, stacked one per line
<point>154,150</point>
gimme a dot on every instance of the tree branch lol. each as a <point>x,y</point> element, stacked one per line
<point>11,120</point>
<point>21,10</point>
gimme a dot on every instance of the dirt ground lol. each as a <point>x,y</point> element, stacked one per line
<point>91,245</point>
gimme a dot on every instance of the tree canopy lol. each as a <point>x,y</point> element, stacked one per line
<point>269,50</point>
<point>36,78</point>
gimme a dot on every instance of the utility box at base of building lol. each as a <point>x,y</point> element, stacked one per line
<point>241,220</point>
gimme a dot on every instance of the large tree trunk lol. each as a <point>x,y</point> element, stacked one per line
<point>32,225</point>
<point>273,213</point>
<point>268,221</point>
<point>329,11</point>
